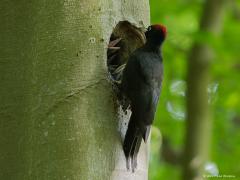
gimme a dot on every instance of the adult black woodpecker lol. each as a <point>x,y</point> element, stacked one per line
<point>141,84</point>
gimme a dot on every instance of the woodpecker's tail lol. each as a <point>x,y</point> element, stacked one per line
<point>146,133</point>
<point>134,152</point>
<point>132,143</point>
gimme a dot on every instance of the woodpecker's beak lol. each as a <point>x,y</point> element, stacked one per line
<point>112,44</point>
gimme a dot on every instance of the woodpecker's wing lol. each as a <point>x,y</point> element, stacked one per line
<point>138,85</point>
<point>134,85</point>
<point>140,92</point>
<point>131,75</point>
<point>152,71</point>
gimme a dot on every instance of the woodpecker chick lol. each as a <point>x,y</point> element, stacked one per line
<point>141,84</point>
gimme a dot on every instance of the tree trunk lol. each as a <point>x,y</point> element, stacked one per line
<point>57,114</point>
<point>198,77</point>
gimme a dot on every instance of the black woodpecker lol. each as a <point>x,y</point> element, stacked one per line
<point>141,84</point>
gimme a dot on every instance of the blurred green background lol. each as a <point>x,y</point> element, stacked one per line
<point>182,20</point>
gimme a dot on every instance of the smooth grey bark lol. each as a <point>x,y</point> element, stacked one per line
<point>199,121</point>
<point>57,112</point>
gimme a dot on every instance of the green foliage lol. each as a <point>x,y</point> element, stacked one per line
<point>182,20</point>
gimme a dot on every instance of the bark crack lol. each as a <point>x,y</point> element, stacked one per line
<point>73,93</point>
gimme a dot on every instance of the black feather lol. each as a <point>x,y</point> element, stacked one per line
<point>141,84</point>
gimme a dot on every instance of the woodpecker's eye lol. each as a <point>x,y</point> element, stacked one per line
<point>149,28</point>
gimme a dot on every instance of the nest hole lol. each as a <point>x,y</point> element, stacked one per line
<point>124,39</point>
